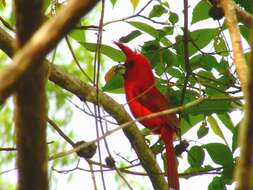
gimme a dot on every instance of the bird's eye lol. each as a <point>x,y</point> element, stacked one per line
<point>129,64</point>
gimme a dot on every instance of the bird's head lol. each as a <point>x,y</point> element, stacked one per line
<point>136,65</point>
<point>130,54</point>
<point>133,58</point>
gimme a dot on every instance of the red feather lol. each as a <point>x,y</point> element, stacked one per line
<point>143,99</point>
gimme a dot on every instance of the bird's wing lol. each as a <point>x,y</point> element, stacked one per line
<point>155,101</point>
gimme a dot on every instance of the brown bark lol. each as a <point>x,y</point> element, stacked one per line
<point>30,106</point>
<point>242,171</point>
<point>244,168</point>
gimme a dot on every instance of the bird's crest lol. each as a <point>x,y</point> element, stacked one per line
<point>126,50</point>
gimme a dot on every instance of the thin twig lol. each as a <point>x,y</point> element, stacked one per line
<point>60,132</point>
<point>97,64</point>
<point>6,24</point>
<point>186,52</point>
<point>76,60</point>
<point>92,175</point>
<point>154,21</point>
<point>129,17</point>
<point>8,149</point>
<point>7,171</point>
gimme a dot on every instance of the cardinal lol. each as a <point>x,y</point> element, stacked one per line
<point>143,99</point>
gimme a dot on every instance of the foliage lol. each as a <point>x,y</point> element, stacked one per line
<point>208,72</point>
<point>210,75</point>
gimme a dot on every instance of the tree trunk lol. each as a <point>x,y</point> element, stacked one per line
<point>30,106</point>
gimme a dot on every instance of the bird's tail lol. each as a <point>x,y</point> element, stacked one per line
<point>172,174</point>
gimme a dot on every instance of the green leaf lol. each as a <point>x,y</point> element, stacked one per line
<point>168,30</point>
<point>179,47</point>
<point>114,54</point>
<point>235,137</point>
<point>225,81</point>
<point>220,46</point>
<point>157,11</point>
<point>154,32</point>
<point>173,18</point>
<point>200,12</point>
<point>135,3</point>
<point>222,66</point>
<point>227,174</point>
<point>188,121</point>
<point>205,76</point>
<point>196,156</point>
<point>113,2</point>
<point>145,28</point>
<point>146,131</point>
<point>216,128</point>
<point>209,107</point>
<point>219,153</point>
<point>130,36</point>
<point>175,72</point>
<point>160,58</point>
<point>217,184</point>
<point>114,85</point>
<point>227,121</point>
<point>201,38</point>
<point>202,131</point>
<point>157,147</point>
<point>78,35</point>
<point>245,31</point>
<point>46,4</point>
<point>206,62</point>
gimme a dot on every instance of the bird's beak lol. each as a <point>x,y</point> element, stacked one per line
<point>120,69</point>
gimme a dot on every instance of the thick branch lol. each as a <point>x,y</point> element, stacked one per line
<point>239,60</point>
<point>244,17</point>
<point>88,93</point>
<point>246,129</point>
<point>43,41</point>
<point>245,164</point>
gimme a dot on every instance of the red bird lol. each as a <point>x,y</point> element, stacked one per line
<point>143,99</point>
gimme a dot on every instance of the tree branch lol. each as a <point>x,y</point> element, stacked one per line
<point>129,17</point>
<point>245,164</point>
<point>246,128</point>
<point>244,17</point>
<point>239,60</point>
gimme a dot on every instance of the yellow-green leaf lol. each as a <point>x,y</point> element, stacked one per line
<point>3,3</point>
<point>135,3</point>
<point>215,127</point>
